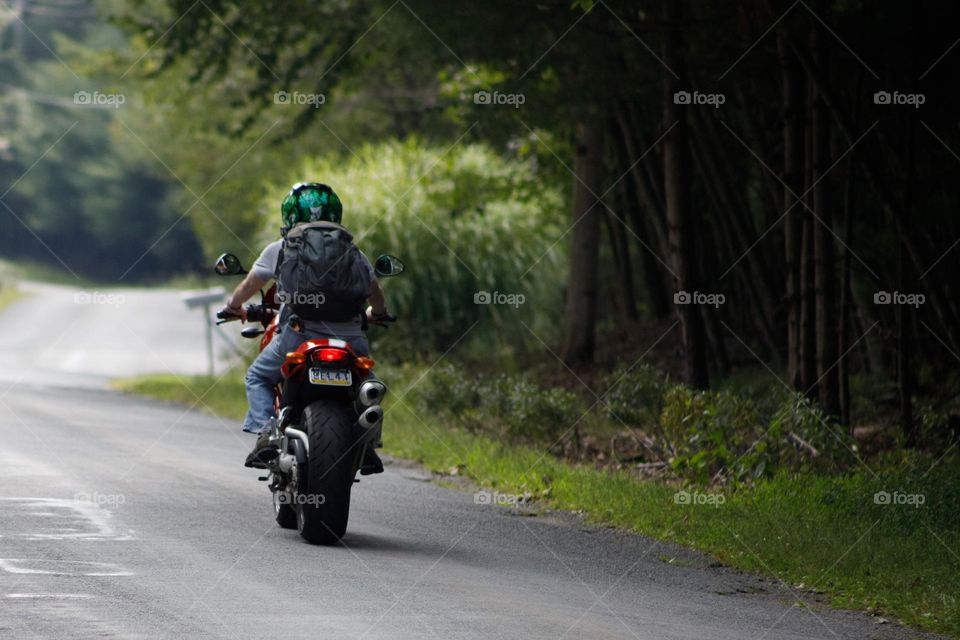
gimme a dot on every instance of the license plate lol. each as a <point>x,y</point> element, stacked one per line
<point>331,377</point>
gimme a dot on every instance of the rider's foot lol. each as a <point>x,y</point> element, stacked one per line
<point>263,451</point>
<point>371,463</point>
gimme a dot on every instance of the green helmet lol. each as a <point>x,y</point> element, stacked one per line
<point>311,202</point>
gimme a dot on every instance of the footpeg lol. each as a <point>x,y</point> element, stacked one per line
<point>258,459</point>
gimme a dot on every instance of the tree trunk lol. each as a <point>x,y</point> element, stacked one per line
<point>824,280</point>
<point>808,336</point>
<point>625,297</point>
<point>676,169</point>
<point>647,186</point>
<point>653,276</point>
<point>905,381</point>
<point>735,214</point>
<point>843,333</point>
<point>936,294</point>
<point>581,304</point>
<point>793,137</point>
<point>907,282</point>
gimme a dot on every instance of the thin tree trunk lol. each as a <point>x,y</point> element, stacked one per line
<point>581,304</point>
<point>793,137</point>
<point>808,336</point>
<point>824,283</point>
<point>733,214</point>
<point>846,262</point>
<point>625,298</point>
<point>646,184</point>
<point>876,362</point>
<point>843,337</point>
<point>907,282</point>
<point>653,275</point>
<point>676,169</point>
<point>905,382</point>
<point>896,213</point>
<point>640,199</point>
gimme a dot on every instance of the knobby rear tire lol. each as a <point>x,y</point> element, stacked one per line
<point>323,510</point>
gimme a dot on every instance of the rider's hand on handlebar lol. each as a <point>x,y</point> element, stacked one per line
<point>379,318</point>
<point>233,312</point>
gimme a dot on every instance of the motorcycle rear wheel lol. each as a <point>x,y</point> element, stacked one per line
<point>324,508</point>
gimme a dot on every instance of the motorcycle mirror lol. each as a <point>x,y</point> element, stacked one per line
<point>229,265</point>
<point>387,265</point>
<point>251,332</point>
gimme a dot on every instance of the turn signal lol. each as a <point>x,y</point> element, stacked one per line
<point>293,360</point>
<point>295,357</point>
<point>365,363</point>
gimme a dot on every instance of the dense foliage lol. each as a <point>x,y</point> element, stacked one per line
<point>774,175</point>
<point>78,191</point>
<point>467,222</point>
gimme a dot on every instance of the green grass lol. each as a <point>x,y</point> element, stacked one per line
<point>224,396</point>
<point>9,293</point>
<point>813,533</point>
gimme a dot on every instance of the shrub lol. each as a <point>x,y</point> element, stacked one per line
<point>706,432</point>
<point>799,418</point>
<point>446,391</point>
<point>532,413</point>
<point>705,436</point>
<point>510,407</point>
<point>463,220</point>
<point>635,396</point>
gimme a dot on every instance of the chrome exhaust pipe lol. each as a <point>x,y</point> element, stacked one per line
<point>370,393</point>
<point>371,417</point>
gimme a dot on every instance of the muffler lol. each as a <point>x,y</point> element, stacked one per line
<point>371,417</point>
<point>370,393</point>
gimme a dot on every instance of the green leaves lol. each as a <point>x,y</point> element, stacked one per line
<point>466,222</point>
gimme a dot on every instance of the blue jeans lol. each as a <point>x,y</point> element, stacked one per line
<point>264,374</point>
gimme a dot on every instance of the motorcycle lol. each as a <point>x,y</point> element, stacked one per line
<point>328,413</point>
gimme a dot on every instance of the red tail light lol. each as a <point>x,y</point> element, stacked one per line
<point>328,354</point>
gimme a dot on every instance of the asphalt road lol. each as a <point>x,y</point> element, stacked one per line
<point>129,518</point>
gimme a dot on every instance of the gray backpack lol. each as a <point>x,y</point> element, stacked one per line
<point>321,274</point>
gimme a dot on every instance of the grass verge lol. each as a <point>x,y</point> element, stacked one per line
<point>9,293</point>
<point>831,535</point>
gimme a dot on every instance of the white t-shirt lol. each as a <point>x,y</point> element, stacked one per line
<point>265,268</point>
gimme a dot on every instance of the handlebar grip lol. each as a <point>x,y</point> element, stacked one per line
<point>383,320</point>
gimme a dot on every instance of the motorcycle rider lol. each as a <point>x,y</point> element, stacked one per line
<point>309,202</point>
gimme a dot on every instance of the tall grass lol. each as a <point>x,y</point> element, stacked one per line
<point>463,220</point>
